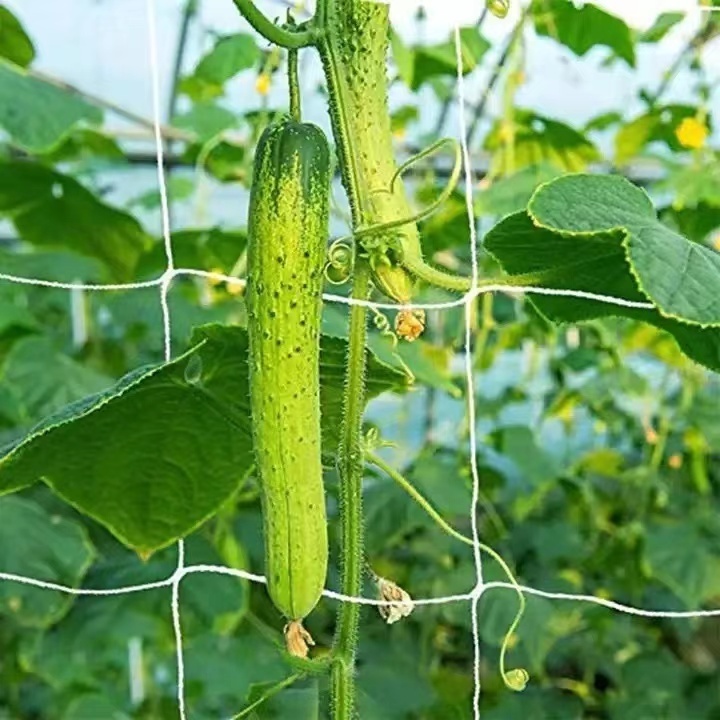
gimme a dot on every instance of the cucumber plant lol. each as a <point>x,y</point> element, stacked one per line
<point>579,237</point>
<point>384,252</point>
<point>351,37</point>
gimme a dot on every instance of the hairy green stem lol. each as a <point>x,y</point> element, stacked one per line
<point>433,276</point>
<point>350,466</point>
<point>353,42</point>
<point>294,85</point>
<point>291,39</point>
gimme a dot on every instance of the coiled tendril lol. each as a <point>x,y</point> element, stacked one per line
<point>385,329</point>
<point>339,266</point>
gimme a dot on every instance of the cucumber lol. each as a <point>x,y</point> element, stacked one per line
<point>287,236</point>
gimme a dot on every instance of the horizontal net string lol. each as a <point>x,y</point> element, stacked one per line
<point>166,279</point>
<point>179,575</point>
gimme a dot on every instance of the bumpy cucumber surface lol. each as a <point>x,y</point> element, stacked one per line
<point>288,230</point>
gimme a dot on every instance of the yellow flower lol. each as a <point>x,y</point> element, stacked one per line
<point>716,242</point>
<point>262,84</point>
<point>691,133</point>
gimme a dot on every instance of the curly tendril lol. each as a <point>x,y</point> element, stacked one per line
<point>339,266</point>
<point>515,679</point>
<point>383,325</point>
<point>433,207</point>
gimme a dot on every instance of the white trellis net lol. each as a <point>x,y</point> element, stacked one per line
<point>163,284</point>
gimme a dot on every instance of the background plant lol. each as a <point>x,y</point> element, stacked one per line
<point>597,455</point>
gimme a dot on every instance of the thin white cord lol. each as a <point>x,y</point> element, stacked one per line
<point>470,376</point>
<point>78,286</point>
<point>176,578</point>
<point>169,275</point>
<point>157,122</point>
<point>164,282</point>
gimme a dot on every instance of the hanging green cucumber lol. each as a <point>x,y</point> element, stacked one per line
<point>287,235</point>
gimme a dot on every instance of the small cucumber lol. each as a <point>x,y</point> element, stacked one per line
<point>287,236</point>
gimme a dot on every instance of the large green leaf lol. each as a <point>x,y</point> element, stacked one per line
<point>37,545</point>
<point>231,55</point>
<point>54,265</point>
<point>36,114</point>
<point>52,209</point>
<point>15,45</point>
<point>600,235</point>
<point>206,120</point>
<point>581,28</point>
<point>157,454</point>
<point>510,194</point>
<point>682,278</point>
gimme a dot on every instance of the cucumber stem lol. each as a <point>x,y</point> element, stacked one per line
<point>350,466</point>
<point>290,39</point>
<point>294,85</point>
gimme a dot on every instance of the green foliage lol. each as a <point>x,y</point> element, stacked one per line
<point>600,235</point>
<point>657,125</point>
<point>36,114</point>
<point>538,140</point>
<point>55,550</point>
<point>583,28</point>
<point>664,23</point>
<point>15,45</point>
<point>49,208</point>
<point>423,63</point>
<point>150,505</point>
<point>597,425</point>
<point>230,55</point>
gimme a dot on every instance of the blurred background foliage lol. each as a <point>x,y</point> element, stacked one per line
<point>598,449</point>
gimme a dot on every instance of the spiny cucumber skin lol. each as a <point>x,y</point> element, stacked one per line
<point>357,50</point>
<point>288,229</point>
